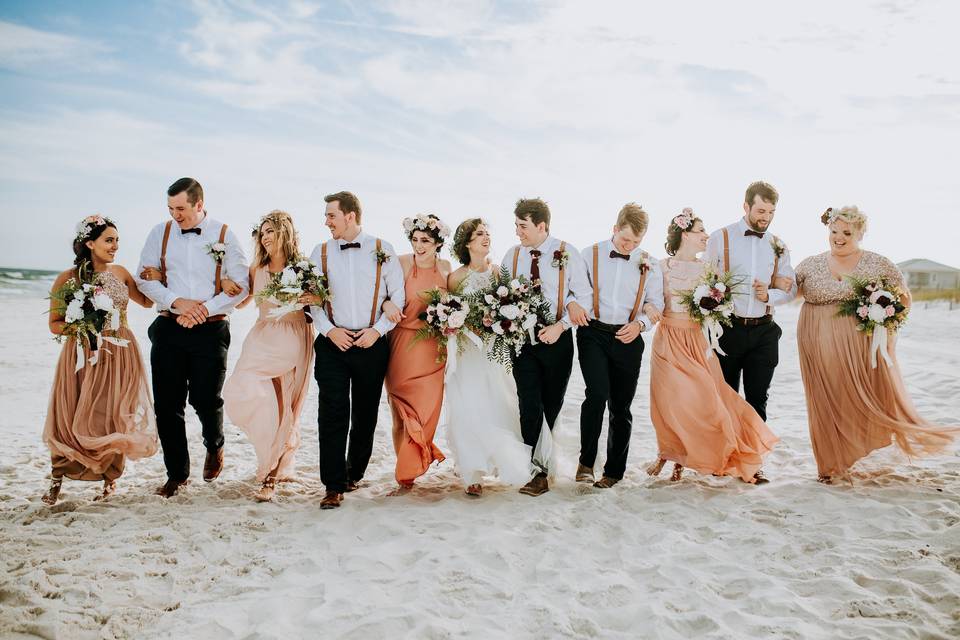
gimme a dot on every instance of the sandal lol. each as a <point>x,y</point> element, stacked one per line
<point>267,491</point>
<point>109,487</point>
<point>50,497</point>
<point>656,467</point>
<point>677,472</point>
<point>475,490</point>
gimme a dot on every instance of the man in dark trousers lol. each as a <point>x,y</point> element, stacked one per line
<point>352,348</point>
<point>190,254</point>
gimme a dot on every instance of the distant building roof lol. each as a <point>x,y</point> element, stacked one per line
<point>922,264</point>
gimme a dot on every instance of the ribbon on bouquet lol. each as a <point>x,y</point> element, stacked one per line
<point>712,330</point>
<point>96,346</point>
<point>878,344</point>
<point>283,309</point>
<point>452,350</point>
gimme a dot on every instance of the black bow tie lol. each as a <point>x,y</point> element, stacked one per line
<point>751,232</point>
<point>350,245</point>
<point>195,230</point>
<point>614,254</point>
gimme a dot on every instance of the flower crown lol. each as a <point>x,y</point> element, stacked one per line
<point>851,215</point>
<point>85,226</point>
<point>426,222</point>
<point>684,221</point>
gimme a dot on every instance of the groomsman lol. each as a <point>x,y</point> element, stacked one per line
<point>623,280</point>
<point>352,348</point>
<point>542,370</point>
<point>191,334</point>
<point>758,259</point>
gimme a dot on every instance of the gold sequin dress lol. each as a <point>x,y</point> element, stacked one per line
<point>853,408</point>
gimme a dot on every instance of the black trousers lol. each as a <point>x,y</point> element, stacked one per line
<point>351,383</point>
<point>542,372</point>
<point>753,353</point>
<point>610,370</point>
<point>187,364</point>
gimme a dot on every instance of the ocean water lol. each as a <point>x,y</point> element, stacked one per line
<point>19,283</point>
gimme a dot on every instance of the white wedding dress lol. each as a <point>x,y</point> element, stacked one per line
<point>483,415</point>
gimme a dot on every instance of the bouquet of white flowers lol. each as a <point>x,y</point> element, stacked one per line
<point>508,314</point>
<point>878,307</point>
<point>88,311</point>
<point>285,288</point>
<point>710,304</point>
<point>445,319</point>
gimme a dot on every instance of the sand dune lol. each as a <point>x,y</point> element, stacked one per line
<point>877,557</point>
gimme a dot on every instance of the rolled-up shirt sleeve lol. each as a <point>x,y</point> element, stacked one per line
<point>652,293</point>
<point>235,268</point>
<point>784,270</point>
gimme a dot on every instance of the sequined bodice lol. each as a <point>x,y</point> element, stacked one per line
<point>679,275</point>
<point>819,286</point>
<point>117,290</point>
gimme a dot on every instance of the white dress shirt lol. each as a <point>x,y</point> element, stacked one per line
<point>575,280</point>
<point>351,279</point>
<point>191,269</point>
<point>618,281</point>
<point>751,258</point>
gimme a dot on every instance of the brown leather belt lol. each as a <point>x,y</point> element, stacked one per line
<point>752,322</point>
<point>216,318</point>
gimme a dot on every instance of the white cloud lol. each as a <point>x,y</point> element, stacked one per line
<point>24,48</point>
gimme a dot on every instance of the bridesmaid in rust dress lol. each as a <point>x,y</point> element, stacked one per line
<point>852,407</point>
<point>701,422</point>
<point>101,413</point>
<point>414,377</point>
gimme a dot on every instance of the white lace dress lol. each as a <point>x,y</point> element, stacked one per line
<point>483,415</point>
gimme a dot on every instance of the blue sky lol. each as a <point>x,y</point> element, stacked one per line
<point>460,108</point>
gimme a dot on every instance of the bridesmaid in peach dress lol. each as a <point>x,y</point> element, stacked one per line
<point>102,413</point>
<point>701,422</point>
<point>264,395</point>
<point>852,408</point>
<point>414,377</point>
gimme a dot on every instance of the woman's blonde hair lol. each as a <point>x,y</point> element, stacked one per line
<point>851,214</point>
<point>284,235</point>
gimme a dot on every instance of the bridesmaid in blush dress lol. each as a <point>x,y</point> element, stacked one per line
<point>852,407</point>
<point>100,414</point>
<point>414,377</point>
<point>264,395</point>
<point>701,422</point>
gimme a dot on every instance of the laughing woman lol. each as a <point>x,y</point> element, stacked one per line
<point>99,414</point>
<point>414,377</point>
<point>265,392</point>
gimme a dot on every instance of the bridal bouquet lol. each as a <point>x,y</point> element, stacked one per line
<point>445,319</point>
<point>88,310</point>
<point>878,308</point>
<point>710,304</point>
<point>285,288</point>
<point>508,314</point>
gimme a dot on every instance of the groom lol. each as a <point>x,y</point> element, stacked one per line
<point>352,350</point>
<point>191,334</point>
<point>542,370</point>
<point>759,260</point>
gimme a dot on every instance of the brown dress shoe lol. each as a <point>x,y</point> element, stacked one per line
<point>331,500</point>
<point>537,486</point>
<point>606,482</point>
<point>584,474</point>
<point>759,478</point>
<point>353,485</point>
<point>171,487</point>
<point>213,465</point>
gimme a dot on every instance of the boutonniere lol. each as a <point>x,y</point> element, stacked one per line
<point>560,259</point>
<point>217,251</point>
<point>645,263</point>
<point>382,256</point>
<point>778,247</point>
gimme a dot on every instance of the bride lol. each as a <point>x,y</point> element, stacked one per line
<point>483,429</point>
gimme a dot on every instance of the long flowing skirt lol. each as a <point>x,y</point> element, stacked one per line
<point>700,421</point>
<point>483,421</point>
<point>100,414</point>
<point>265,393</point>
<point>414,384</point>
<point>853,408</point>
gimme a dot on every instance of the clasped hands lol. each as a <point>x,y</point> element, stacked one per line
<point>761,290</point>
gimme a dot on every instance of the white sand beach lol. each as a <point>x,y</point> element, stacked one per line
<point>877,557</point>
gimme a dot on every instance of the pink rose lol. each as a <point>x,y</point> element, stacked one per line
<point>862,312</point>
<point>889,311</point>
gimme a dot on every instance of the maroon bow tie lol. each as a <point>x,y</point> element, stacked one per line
<point>614,254</point>
<point>535,253</point>
<point>751,232</point>
<point>350,245</point>
<point>195,230</point>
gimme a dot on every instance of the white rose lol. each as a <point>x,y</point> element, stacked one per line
<point>408,225</point>
<point>497,329</point>
<point>219,246</point>
<point>87,286</point>
<point>877,313</point>
<point>316,271</point>
<point>510,311</point>
<point>288,277</point>
<point>457,318</point>
<point>720,287</point>
<point>78,295</point>
<point>488,299</point>
<point>103,302</point>
<point>74,311</point>
<point>502,291</point>
<point>303,264</point>
<point>514,284</point>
